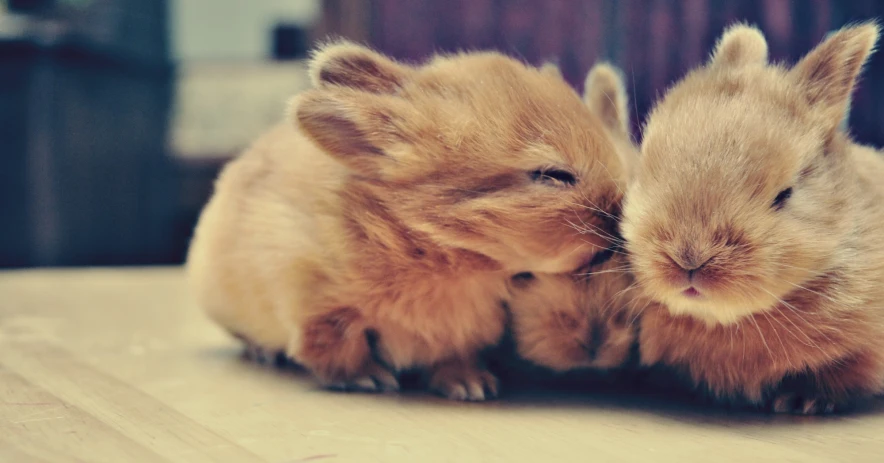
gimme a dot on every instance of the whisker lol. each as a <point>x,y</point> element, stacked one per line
<point>590,229</point>
<point>576,250</point>
<point>780,264</point>
<point>763,341</point>
<point>580,219</point>
<point>771,317</point>
<point>640,311</point>
<point>612,250</point>
<point>623,271</point>
<point>634,101</point>
<point>610,175</point>
<point>576,228</point>
<point>797,313</point>
<point>616,297</point>
<point>809,342</point>
<point>824,296</point>
<point>595,208</point>
<point>582,231</point>
<point>578,215</point>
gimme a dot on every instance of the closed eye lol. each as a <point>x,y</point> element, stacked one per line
<point>556,177</point>
<point>780,201</point>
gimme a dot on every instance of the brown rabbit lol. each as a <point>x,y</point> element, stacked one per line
<point>584,319</point>
<point>375,231</point>
<point>759,226</point>
<point>576,321</point>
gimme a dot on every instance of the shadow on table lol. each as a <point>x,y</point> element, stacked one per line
<point>527,388</point>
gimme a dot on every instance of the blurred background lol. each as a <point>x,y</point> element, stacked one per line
<point>115,115</point>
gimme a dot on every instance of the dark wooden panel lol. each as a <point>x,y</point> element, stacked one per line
<point>14,217</point>
<point>83,116</point>
<point>654,41</point>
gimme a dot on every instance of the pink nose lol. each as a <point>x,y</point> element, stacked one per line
<point>691,266</point>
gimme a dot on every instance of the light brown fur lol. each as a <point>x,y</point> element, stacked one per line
<point>605,94</point>
<point>585,319</point>
<point>790,311</point>
<point>376,230</point>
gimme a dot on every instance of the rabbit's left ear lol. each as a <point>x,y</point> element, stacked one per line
<point>828,74</point>
<point>346,64</point>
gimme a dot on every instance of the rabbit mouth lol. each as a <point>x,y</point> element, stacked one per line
<point>692,293</point>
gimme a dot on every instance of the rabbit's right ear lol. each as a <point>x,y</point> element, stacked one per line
<point>365,131</point>
<point>605,95</point>
<point>345,64</point>
<point>740,45</point>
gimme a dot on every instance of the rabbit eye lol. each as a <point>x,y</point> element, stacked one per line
<point>601,257</point>
<point>780,201</point>
<point>522,280</point>
<point>556,177</point>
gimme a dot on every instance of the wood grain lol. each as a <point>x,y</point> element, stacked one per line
<point>119,366</point>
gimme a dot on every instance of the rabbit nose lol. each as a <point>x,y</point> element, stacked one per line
<point>691,268</point>
<point>690,262</point>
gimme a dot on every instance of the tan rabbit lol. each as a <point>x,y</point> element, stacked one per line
<point>759,226</point>
<point>376,230</point>
<point>585,319</point>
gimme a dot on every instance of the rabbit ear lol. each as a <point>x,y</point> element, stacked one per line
<point>605,95</point>
<point>740,45</point>
<point>359,129</point>
<point>828,74</point>
<point>346,64</point>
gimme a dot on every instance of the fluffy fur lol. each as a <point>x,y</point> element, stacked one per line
<point>574,321</point>
<point>760,226</point>
<point>585,319</point>
<point>375,231</point>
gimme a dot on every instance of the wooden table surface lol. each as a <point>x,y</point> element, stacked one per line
<point>118,366</point>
